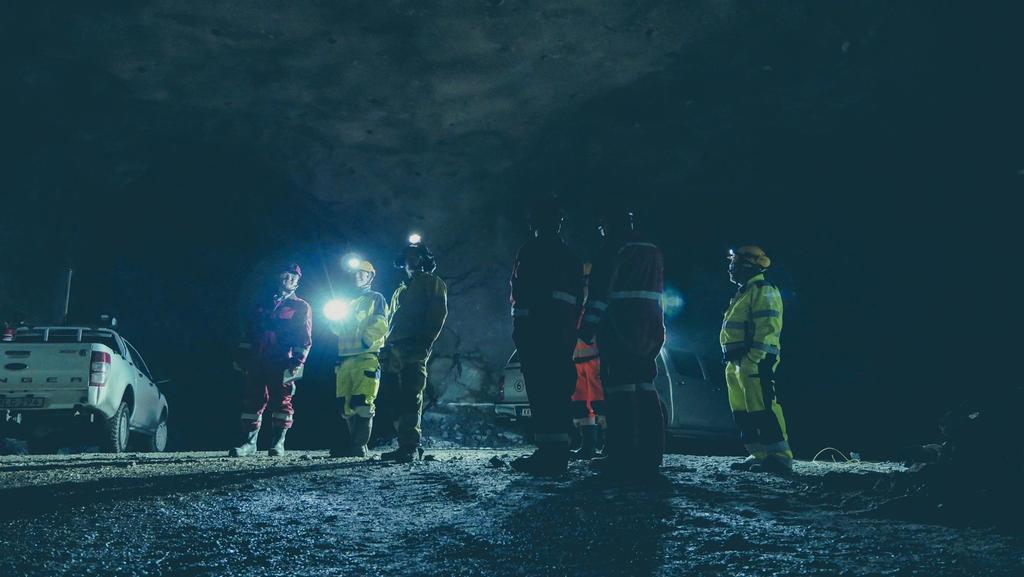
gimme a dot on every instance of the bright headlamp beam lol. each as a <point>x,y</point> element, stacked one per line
<point>353,262</point>
<point>415,238</point>
<point>336,310</point>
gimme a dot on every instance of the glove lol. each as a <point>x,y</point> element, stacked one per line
<point>586,334</point>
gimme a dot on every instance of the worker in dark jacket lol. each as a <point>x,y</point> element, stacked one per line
<point>624,313</point>
<point>272,355</point>
<point>418,310</point>
<point>547,291</point>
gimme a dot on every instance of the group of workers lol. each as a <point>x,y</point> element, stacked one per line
<point>588,337</point>
<point>377,341</point>
<point>607,319</point>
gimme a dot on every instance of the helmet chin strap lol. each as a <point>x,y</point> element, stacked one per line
<point>741,273</point>
<point>283,294</point>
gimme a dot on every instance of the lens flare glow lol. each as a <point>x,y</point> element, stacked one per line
<point>354,262</point>
<point>336,310</point>
<point>672,302</point>
<point>415,238</point>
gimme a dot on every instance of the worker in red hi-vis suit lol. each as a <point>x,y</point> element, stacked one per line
<point>272,356</point>
<point>624,313</point>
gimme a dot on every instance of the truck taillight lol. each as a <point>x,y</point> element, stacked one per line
<point>99,368</point>
<point>501,388</point>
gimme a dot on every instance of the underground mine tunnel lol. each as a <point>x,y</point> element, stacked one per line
<point>506,287</point>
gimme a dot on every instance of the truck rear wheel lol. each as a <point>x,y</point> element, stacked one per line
<point>115,430</point>
<point>157,442</point>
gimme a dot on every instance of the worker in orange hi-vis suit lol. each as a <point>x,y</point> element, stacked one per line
<point>588,398</point>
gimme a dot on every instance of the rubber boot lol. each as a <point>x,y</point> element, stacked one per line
<point>342,439</point>
<point>745,464</point>
<point>650,431</point>
<point>776,464</point>
<point>277,450</point>
<point>361,428</point>
<point>545,461</point>
<point>588,443</point>
<point>620,444</point>
<point>248,446</point>
<point>401,455</point>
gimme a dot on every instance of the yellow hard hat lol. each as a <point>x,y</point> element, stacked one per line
<point>751,254</point>
<point>367,266</point>
<point>355,264</point>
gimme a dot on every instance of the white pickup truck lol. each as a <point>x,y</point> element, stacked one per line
<point>84,372</point>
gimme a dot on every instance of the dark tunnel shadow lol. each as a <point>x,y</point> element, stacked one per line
<point>593,527</point>
<point>30,501</point>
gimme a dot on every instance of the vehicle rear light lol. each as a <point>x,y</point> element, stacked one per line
<point>501,388</point>
<point>99,368</point>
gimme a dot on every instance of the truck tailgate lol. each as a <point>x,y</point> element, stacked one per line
<point>44,375</point>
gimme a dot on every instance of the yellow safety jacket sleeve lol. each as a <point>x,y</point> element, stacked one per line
<point>375,326</point>
<point>365,330</point>
<point>753,322</point>
<point>766,318</point>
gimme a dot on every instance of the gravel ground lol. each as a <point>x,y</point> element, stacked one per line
<point>463,513</point>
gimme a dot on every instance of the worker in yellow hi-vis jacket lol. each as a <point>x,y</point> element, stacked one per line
<point>751,348</point>
<point>361,325</point>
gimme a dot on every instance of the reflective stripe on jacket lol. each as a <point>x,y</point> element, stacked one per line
<point>366,326</point>
<point>753,321</point>
<point>624,305</point>
<point>546,290</point>
<point>585,352</point>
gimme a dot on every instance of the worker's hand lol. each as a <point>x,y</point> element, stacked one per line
<point>586,335</point>
<point>237,367</point>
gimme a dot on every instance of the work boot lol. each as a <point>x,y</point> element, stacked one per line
<point>277,449</point>
<point>342,440</point>
<point>776,464</point>
<point>248,446</point>
<point>361,429</point>
<point>359,436</point>
<point>546,462</point>
<point>745,464</point>
<point>401,455</point>
<point>588,441</point>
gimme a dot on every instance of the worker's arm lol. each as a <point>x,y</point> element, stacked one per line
<point>304,333</point>
<point>437,310</point>
<point>375,328</point>
<point>597,299</point>
<point>766,316</point>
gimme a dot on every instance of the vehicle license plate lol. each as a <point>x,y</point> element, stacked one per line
<point>22,403</point>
